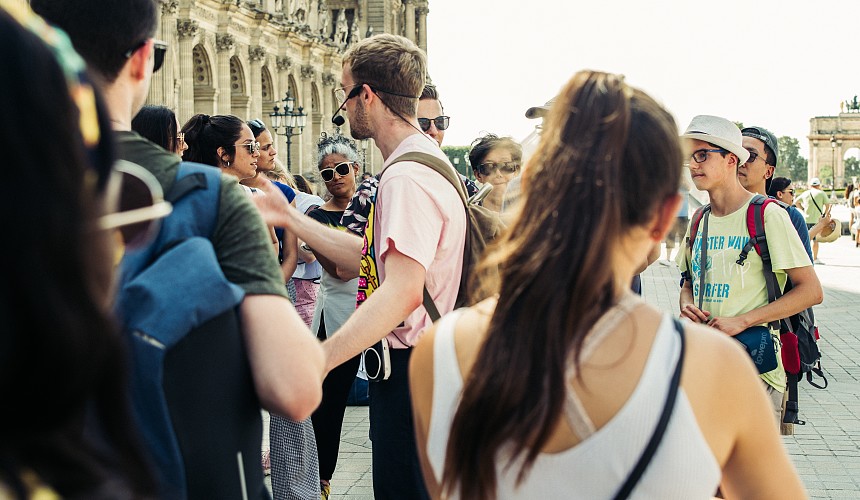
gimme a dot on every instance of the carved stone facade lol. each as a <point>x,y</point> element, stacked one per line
<point>242,57</point>
<point>830,137</point>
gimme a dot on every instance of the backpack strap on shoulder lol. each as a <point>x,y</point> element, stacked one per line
<point>694,225</point>
<point>694,230</point>
<point>758,240</point>
<point>185,184</point>
<point>440,166</point>
<point>448,172</point>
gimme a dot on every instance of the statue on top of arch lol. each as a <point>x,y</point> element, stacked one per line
<point>851,106</point>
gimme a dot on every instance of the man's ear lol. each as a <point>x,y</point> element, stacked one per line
<point>768,174</point>
<point>140,60</point>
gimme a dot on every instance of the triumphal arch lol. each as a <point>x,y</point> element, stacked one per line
<point>830,137</point>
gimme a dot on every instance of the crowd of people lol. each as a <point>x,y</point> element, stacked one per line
<point>560,381</point>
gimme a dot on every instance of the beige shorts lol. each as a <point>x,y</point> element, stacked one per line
<point>776,402</point>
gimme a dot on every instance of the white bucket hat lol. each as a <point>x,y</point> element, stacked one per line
<point>720,132</point>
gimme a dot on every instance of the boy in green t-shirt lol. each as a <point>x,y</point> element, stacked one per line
<point>813,203</point>
<point>734,297</point>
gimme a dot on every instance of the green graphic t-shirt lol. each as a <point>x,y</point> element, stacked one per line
<point>732,289</point>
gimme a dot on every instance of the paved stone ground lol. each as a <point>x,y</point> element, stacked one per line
<point>826,450</point>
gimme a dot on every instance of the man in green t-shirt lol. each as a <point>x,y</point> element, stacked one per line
<point>286,361</point>
<point>813,203</point>
<point>734,297</point>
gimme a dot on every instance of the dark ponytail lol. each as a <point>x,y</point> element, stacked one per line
<point>608,157</point>
<point>204,134</point>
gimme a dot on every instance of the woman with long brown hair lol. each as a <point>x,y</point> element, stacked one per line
<point>560,382</point>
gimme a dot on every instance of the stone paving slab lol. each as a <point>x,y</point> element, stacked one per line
<point>826,451</point>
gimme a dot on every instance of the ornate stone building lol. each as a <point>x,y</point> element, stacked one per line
<point>241,57</point>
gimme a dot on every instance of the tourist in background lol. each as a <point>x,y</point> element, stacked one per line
<point>159,125</point>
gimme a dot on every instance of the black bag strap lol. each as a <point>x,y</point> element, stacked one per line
<point>757,206</point>
<point>430,306</point>
<point>816,204</point>
<point>792,409</point>
<point>660,430</point>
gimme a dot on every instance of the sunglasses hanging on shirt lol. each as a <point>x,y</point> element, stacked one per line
<point>135,204</point>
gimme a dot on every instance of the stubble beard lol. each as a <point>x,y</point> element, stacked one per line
<point>359,123</point>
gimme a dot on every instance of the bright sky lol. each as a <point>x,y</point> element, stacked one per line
<point>761,62</point>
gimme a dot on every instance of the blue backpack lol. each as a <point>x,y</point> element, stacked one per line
<point>192,391</point>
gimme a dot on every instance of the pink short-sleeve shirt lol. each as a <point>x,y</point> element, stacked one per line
<point>419,213</point>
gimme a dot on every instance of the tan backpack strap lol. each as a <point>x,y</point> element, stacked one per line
<point>439,165</point>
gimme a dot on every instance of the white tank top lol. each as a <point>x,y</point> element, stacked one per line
<point>683,466</point>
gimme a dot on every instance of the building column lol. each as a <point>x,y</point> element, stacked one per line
<point>409,21</point>
<point>187,30</point>
<point>224,44</point>
<point>329,82</point>
<point>256,56</point>
<point>812,166</point>
<point>162,82</point>
<point>839,167</point>
<point>422,27</point>
<point>306,140</point>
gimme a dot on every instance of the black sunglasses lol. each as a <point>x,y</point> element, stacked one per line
<point>341,168</point>
<point>489,167</point>
<point>160,49</point>
<point>441,122</point>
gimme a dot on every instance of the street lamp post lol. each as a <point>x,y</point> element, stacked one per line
<point>364,144</point>
<point>833,165</point>
<point>288,122</point>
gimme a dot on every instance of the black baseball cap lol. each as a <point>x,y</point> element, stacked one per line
<point>765,136</point>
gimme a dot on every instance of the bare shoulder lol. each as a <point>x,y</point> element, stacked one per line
<point>709,349</point>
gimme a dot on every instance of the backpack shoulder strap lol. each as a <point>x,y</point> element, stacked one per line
<point>440,166</point>
<point>694,223</point>
<point>758,240</point>
<point>448,172</point>
<point>201,184</point>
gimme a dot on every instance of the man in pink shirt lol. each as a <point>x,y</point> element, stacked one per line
<point>414,229</point>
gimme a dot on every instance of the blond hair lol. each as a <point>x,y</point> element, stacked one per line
<point>391,65</point>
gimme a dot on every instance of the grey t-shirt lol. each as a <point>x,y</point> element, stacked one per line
<point>241,240</point>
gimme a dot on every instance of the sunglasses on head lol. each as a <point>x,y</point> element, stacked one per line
<point>135,204</point>
<point>159,50</point>
<point>341,168</point>
<point>490,167</point>
<point>441,122</point>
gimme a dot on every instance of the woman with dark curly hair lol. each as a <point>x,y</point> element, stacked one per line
<point>495,160</point>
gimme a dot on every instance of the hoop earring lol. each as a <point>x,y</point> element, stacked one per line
<point>228,164</point>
